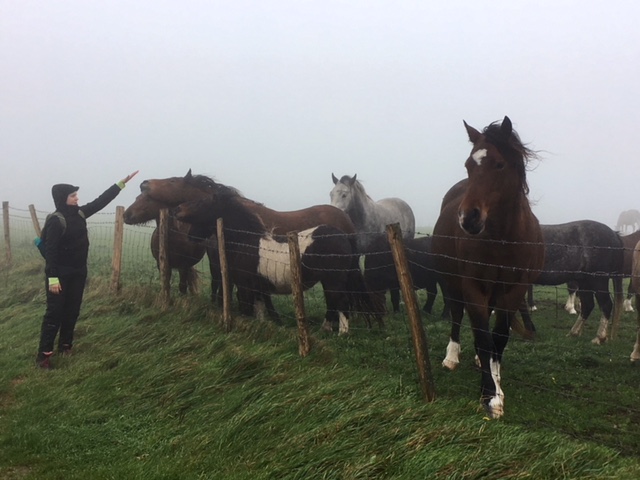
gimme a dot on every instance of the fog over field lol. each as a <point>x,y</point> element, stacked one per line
<point>273,97</point>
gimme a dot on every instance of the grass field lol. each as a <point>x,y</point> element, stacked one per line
<point>166,394</point>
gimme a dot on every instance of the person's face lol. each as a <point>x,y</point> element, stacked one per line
<point>72,199</point>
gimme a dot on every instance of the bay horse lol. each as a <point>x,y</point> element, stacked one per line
<point>635,287</point>
<point>182,254</point>
<point>380,271</point>
<point>487,245</point>
<point>586,255</point>
<point>259,260</point>
<point>173,191</point>
<point>371,217</point>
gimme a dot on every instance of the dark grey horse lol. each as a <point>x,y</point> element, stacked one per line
<point>380,270</point>
<point>588,254</point>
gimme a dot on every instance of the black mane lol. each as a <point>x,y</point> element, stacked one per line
<point>512,148</point>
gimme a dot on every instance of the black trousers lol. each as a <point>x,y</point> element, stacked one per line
<point>62,311</point>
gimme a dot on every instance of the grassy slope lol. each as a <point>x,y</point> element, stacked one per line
<point>162,395</point>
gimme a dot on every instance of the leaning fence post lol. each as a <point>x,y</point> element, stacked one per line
<point>418,334</point>
<point>116,261</point>
<point>163,258</point>
<point>34,220</point>
<point>304,345</point>
<point>7,236</point>
<point>227,320</point>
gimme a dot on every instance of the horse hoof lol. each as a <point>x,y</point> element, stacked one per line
<point>495,408</point>
<point>599,340</point>
<point>450,365</point>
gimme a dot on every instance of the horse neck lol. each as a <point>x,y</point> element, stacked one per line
<point>360,209</point>
<point>512,215</point>
<point>238,220</point>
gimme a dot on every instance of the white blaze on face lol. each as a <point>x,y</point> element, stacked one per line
<point>478,155</point>
<point>274,263</point>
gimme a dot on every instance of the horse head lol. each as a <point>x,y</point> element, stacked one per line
<point>342,193</point>
<point>496,170</point>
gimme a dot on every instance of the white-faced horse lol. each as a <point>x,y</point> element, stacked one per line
<point>370,217</point>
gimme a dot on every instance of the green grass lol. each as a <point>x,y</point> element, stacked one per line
<point>166,394</point>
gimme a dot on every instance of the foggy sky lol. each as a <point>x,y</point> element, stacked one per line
<point>272,97</point>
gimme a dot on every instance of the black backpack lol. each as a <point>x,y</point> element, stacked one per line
<point>40,242</point>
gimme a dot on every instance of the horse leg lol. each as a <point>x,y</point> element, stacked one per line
<point>337,302</point>
<point>530,300</point>
<point>606,308</point>
<point>570,305</point>
<point>394,293</point>
<point>245,301</point>
<point>183,275</point>
<point>428,305</point>
<point>587,304</point>
<point>628,306</point>
<point>635,355</point>
<point>265,299</point>
<point>452,358</point>
<point>491,394</point>
<point>529,330</point>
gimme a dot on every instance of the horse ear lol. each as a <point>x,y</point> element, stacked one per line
<point>333,177</point>
<point>506,128</point>
<point>188,175</point>
<point>474,135</point>
<point>353,180</point>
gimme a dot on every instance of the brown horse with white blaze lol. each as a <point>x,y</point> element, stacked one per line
<point>488,246</point>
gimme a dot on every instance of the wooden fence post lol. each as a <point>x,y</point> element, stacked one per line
<point>116,261</point>
<point>34,220</point>
<point>227,320</point>
<point>7,236</point>
<point>163,258</point>
<point>304,345</point>
<point>418,334</point>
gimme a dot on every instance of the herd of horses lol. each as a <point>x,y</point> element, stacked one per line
<point>486,252</point>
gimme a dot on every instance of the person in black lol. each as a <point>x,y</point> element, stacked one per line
<point>66,251</point>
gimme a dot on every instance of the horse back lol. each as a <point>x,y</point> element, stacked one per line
<point>281,223</point>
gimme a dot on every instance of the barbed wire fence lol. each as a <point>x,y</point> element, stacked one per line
<point>141,269</point>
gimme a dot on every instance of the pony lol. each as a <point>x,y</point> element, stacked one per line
<point>176,190</point>
<point>371,218</point>
<point>182,254</point>
<point>173,191</point>
<point>368,216</point>
<point>635,287</point>
<point>585,254</point>
<point>380,271</point>
<point>487,245</point>
<point>259,260</point>
<point>628,218</point>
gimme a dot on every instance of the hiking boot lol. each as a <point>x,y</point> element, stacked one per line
<point>43,360</point>
<point>65,350</point>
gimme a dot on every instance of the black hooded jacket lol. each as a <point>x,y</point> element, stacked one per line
<point>67,252</point>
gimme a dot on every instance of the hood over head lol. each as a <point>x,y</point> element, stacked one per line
<point>60,192</point>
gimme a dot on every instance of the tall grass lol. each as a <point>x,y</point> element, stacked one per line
<point>166,394</point>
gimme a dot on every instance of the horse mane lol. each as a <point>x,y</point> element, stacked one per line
<point>208,184</point>
<point>512,148</point>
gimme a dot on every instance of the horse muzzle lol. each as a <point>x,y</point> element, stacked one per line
<point>472,221</point>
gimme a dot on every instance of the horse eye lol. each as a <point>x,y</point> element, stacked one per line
<point>499,165</point>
